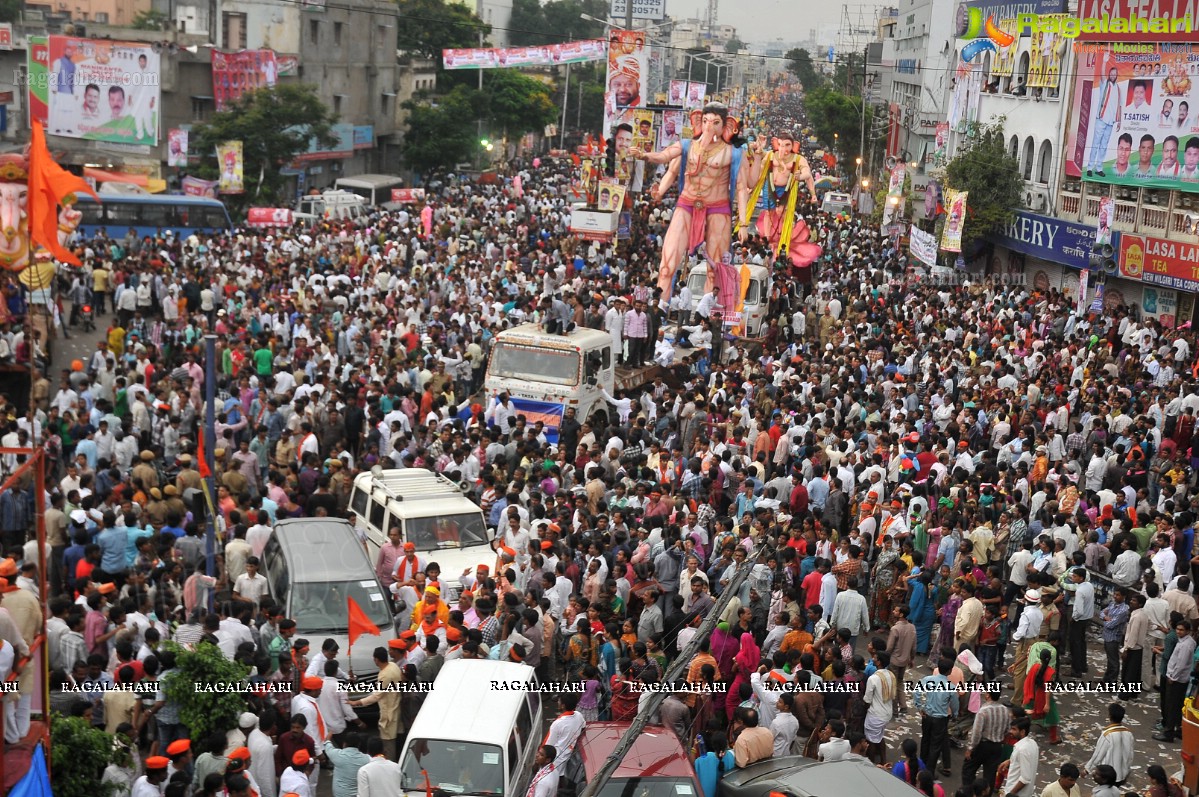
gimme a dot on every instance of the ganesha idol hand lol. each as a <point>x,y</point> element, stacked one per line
<point>68,222</point>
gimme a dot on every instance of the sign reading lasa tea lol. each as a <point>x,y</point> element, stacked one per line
<point>1156,261</point>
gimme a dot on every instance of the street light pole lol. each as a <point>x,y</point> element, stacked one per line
<point>565,104</point>
<point>862,137</point>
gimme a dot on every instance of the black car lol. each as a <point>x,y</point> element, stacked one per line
<point>796,776</point>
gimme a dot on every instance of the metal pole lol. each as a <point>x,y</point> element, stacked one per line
<point>628,14</point>
<point>862,138</point>
<point>673,674</point>
<point>706,65</point>
<point>565,102</point>
<point>210,369</point>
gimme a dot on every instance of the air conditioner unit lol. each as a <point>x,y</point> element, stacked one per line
<point>1036,198</point>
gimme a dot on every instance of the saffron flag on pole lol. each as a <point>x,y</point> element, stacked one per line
<point>49,185</point>
<point>201,458</point>
<point>359,623</point>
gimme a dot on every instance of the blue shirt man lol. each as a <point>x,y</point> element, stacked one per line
<point>112,542</point>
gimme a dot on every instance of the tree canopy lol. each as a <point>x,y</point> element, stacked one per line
<point>556,21</point>
<point>274,125</point>
<point>983,166</point>
<point>836,120</point>
<point>426,27</point>
<point>801,65</point>
<point>438,133</point>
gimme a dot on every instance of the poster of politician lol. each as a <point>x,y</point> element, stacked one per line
<point>229,156</point>
<point>628,72</point>
<point>1135,119</point>
<point>103,90</point>
<point>233,74</point>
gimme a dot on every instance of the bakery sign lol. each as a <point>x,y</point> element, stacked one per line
<point>1156,261</point>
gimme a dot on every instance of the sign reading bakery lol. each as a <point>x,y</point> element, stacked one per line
<point>1156,261</point>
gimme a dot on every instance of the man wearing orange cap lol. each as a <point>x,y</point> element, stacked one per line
<point>895,523</point>
<point>149,784</point>
<point>432,600</point>
<point>297,779</point>
<point>239,764</point>
<point>408,565</point>
<point>305,704</point>
<point>472,580</point>
<point>180,753</point>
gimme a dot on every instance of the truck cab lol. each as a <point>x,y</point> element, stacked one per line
<point>544,374</point>
<point>757,297</point>
<point>333,205</point>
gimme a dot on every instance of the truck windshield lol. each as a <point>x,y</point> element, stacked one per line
<point>553,366</point>
<point>447,531</point>
<point>320,607</point>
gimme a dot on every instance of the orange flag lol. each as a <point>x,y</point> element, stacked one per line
<point>201,459</point>
<point>49,185</point>
<point>359,622</point>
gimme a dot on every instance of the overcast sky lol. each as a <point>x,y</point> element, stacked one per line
<point>766,20</point>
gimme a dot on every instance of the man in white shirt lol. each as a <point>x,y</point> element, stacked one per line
<point>784,726</point>
<point>833,747</point>
<point>379,777</point>
<point>564,731</point>
<point>316,667</point>
<point>250,585</point>
<point>296,778</point>
<point>1022,766</point>
<point>545,782</point>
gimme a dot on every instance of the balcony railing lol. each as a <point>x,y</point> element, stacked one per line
<point>1166,218</point>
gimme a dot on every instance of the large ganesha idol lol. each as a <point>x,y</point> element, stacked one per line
<point>14,230</point>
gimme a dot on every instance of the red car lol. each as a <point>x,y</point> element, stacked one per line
<point>655,766</point>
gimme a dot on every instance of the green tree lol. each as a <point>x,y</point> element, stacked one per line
<point>78,755</point>
<point>526,26</point>
<point>426,27</point>
<point>201,711</point>
<point>274,125</point>
<point>563,20</point>
<point>516,103</point>
<point>734,46</point>
<point>800,64</point>
<point>150,20</point>
<point>441,134</point>
<point>983,167</point>
<point>836,120</point>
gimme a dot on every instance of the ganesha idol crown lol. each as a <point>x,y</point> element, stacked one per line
<point>14,168</point>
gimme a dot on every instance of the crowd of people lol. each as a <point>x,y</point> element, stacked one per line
<point>967,483</point>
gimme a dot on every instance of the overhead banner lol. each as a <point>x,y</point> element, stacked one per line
<point>103,90</point>
<point>1047,48</point>
<point>1117,20</point>
<point>177,147</point>
<point>510,57</point>
<point>626,84</point>
<point>194,186</point>
<point>923,246</point>
<point>229,155</point>
<point>951,236</point>
<point>1156,261</point>
<point>233,74</point>
<point>269,217</point>
<point>1135,118</point>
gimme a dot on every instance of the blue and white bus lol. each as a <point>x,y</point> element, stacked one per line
<point>151,215</point>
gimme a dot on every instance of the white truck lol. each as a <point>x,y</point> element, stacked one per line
<point>332,205</point>
<point>757,296</point>
<point>544,374</point>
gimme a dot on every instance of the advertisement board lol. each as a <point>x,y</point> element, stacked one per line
<point>923,246</point>
<point>194,186</point>
<point>1156,261</point>
<point>5,35</point>
<point>593,225</point>
<point>235,73</point>
<point>229,156</point>
<point>1135,118</point>
<point>1160,304</point>
<point>269,217</point>
<point>343,148</point>
<point>642,9</point>
<point>626,83</point>
<point>1109,10</point>
<point>1051,239</point>
<point>1004,10</point>
<point>955,208</point>
<point>364,136</point>
<point>103,90</point>
<point>177,147</point>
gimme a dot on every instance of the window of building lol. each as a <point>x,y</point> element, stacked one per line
<point>1013,147</point>
<point>1044,161</point>
<point>314,31</point>
<point>337,26</point>
<point>1026,159</point>
<point>233,30</point>
<point>200,108</point>
<point>337,98</point>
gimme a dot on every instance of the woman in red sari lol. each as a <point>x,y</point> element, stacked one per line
<point>745,664</point>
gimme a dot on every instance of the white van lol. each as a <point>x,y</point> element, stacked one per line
<point>431,512</point>
<point>836,203</point>
<point>476,733</point>
<point>333,205</point>
<point>757,296</point>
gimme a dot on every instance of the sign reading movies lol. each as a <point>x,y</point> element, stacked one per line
<point>103,90</point>
<point>1050,239</point>
<point>1135,118</point>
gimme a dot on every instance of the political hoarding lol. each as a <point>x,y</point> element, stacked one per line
<point>1135,117</point>
<point>696,93</point>
<point>229,156</point>
<point>678,92</point>
<point>407,195</point>
<point>577,52</point>
<point>177,147</point>
<point>628,72</point>
<point>1141,20</point>
<point>194,186</point>
<point>951,236</point>
<point>269,217</point>
<point>103,90</point>
<point>235,73</point>
<point>1047,50</point>
<point>671,129</point>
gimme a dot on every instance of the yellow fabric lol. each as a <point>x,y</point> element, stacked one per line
<point>747,212</point>
<point>788,217</point>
